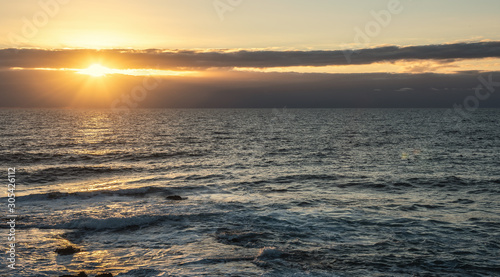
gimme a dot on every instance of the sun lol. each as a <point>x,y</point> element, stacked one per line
<point>96,70</point>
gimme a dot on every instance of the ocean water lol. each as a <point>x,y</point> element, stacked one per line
<point>283,192</point>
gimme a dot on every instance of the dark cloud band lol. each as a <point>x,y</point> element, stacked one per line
<point>193,59</point>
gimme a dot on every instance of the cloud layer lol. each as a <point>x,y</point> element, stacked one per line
<point>244,89</point>
<point>247,90</point>
<point>36,58</point>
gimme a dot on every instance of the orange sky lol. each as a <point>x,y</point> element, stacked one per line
<point>90,53</point>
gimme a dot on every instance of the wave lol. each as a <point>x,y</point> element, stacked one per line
<point>116,223</point>
<point>133,192</point>
<point>448,183</point>
<point>159,155</point>
<point>53,174</point>
<point>247,239</point>
<point>27,158</point>
<point>31,158</point>
<point>56,158</point>
<point>295,178</point>
<point>120,223</point>
<point>141,272</point>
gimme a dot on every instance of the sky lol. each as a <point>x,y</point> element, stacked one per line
<point>249,53</point>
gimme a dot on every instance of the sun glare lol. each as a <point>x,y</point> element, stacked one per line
<point>96,70</point>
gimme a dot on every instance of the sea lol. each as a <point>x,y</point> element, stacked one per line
<point>251,192</point>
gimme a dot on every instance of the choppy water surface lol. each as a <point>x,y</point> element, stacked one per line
<point>269,192</point>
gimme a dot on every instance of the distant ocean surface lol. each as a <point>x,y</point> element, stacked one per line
<point>283,192</point>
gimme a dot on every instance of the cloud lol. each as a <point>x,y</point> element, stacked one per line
<point>404,89</point>
<point>183,59</point>
<point>245,90</point>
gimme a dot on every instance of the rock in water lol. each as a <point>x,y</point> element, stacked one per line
<point>104,275</point>
<point>81,274</point>
<point>70,250</point>
<point>174,197</point>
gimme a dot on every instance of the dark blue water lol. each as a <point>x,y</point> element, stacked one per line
<point>279,192</point>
